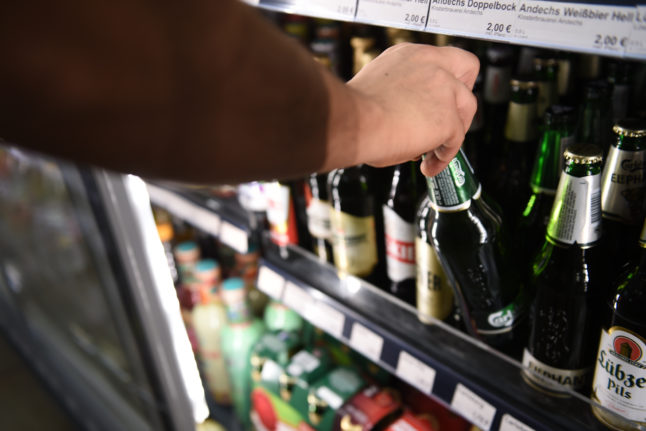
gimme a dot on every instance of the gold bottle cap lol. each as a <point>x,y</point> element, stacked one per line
<point>630,127</point>
<point>523,84</point>
<point>583,154</point>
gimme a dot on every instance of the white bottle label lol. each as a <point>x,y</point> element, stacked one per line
<point>576,215</point>
<point>278,212</point>
<point>620,375</point>
<point>554,378</point>
<point>318,218</point>
<point>400,246</point>
<point>624,185</point>
<point>354,243</point>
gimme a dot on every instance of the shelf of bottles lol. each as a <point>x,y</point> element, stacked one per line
<point>474,380</point>
<point>607,28</point>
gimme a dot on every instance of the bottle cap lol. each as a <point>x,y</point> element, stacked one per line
<point>583,154</point>
<point>207,270</point>
<point>233,283</point>
<point>630,127</point>
<point>165,231</point>
<point>187,250</point>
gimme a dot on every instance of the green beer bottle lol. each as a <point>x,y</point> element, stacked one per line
<point>557,136</point>
<point>546,69</point>
<point>619,382</point>
<point>473,248</point>
<point>594,124</point>
<point>434,293</point>
<point>511,172</point>
<point>568,280</point>
<point>623,191</point>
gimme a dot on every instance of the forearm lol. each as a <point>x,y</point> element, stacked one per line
<point>199,91</point>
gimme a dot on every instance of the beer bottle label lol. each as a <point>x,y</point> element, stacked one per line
<point>278,214</point>
<point>434,293</point>
<point>624,185</point>
<point>454,187</point>
<point>318,218</point>
<point>539,373</point>
<point>576,215</point>
<point>496,87</point>
<point>620,375</point>
<point>521,122</point>
<point>400,246</point>
<point>354,243</point>
<point>503,320</point>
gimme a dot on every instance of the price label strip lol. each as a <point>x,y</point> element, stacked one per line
<point>343,10</point>
<point>398,13</point>
<point>204,219</point>
<point>493,19</point>
<point>271,282</point>
<point>298,300</point>
<point>234,237</point>
<point>365,341</point>
<point>415,372</point>
<point>590,27</point>
<point>472,407</point>
<point>509,423</point>
<point>636,46</point>
<point>328,319</point>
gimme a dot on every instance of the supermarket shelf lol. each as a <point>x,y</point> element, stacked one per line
<point>594,27</point>
<point>472,379</point>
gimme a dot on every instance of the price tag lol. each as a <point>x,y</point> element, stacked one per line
<point>328,319</point>
<point>472,407</point>
<point>270,282</point>
<point>415,372</point>
<point>234,237</point>
<point>204,219</point>
<point>509,423</point>
<point>637,43</point>
<point>367,342</point>
<point>336,9</point>
<point>297,299</point>
<point>592,27</point>
<point>494,19</point>
<point>402,13</point>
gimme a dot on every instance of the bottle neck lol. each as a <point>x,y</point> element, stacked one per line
<point>521,121</point>
<point>453,188</point>
<point>576,214</point>
<point>547,166</point>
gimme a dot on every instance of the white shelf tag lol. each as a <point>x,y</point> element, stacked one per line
<point>637,44</point>
<point>204,219</point>
<point>339,9</point>
<point>328,319</point>
<point>591,27</point>
<point>415,372</point>
<point>234,237</point>
<point>270,282</point>
<point>509,423</point>
<point>297,299</point>
<point>472,407</point>
<point>493,19</point>
<point>365,341</point>
<point>407,13</point>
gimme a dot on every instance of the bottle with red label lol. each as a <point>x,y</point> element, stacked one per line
<point>619,382</point>
<point>368,410</point>
<point>399,228</point>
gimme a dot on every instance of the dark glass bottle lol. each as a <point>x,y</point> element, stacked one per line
<point>546,69</point>
<point>354,223</point>
<point>474,251</point>
<point>318,216</point>
<point>434,292</point>
<point>619,382</point>
<point>399,229</point>
<point>511,172</point>
<point>594,124</point>
<point>623,191</point>
<point>618,75</point>
<point>475,136</point>
<point>568,280</point>
<point>557,136</point>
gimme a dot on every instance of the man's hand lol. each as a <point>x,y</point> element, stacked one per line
<point>413,100</point>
